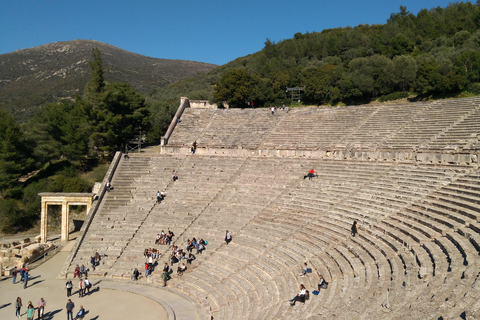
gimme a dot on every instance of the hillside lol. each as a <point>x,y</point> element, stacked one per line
<point>32,77</point>
<point>432,54</point>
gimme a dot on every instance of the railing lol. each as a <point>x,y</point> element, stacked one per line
<point>184,103</point>
<point>91,213</point>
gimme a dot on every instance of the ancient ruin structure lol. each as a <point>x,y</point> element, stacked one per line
<point>408,173</point>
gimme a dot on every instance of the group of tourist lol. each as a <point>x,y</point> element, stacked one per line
<point>84,286</point>
<point>23,273</point>
<point>41,304</point>
<point>163,238</point>
<point>80,271</point>
<point>304,294</point>
<point>176,255</point>
<point>274,108</point>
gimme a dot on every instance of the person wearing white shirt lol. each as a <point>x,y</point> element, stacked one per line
<point>300,296</point>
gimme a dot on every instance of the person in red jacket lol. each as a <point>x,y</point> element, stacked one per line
<point>310,175</point>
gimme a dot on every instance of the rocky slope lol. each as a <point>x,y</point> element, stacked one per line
<point>29,78</point>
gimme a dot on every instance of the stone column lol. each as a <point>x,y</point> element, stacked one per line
<point>65,212</point>
<point>43,223</point>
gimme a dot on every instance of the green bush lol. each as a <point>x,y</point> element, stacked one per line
<point>393,96</point>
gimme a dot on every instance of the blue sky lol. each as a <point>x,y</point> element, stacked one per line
<point>214,31</point>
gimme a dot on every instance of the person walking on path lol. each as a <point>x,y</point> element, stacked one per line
<point>228,237</point>
<point>41,308</point>
<point>354,228</point>
<point>25,279</point>
<point>146,269</point>
<point>81,288</point>
<point>69,286</point>
<point>18,307</point>
<point>136,274</point>
<point>174,175</point>
<point>70,306</point>
<point>21,272</point>
<point>14,275</point>
<point>30,311</point>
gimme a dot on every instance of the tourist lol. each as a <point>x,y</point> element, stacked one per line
<point>193,148</point>
<point>136,274</point>
<point>76,272</point>
<point>25,278</point>
<point>70,306</point>
<point>228,237</point>
<point>181,269</point>
<point>81,313</point>
<point>81,288</point>
<point>18,307</point>
<point>125,156</point>
<point>200,247</point>
<point>14,274</point>
<point>69,286</point>
<point>354,228</point>
<point>108,186</point>
<point>41,308</point>
<point>310,174</point>
<point>301,296</point>
<point>146,269</point>
<point>166,268</point>
<point>83,270</point>
<point>158,197</point>
<point>174,175</point>
<point>190,258</point>
<point>88,285</point>
<point>165,278</point>
<point>306,269</point>
<point>30,311</point>
<point>21,272</point>
<point>93,262</point>
<point>322,284</point>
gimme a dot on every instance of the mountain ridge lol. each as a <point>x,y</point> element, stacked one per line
<point>32,77</point>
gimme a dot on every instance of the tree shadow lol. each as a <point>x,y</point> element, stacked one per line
<point>5,305</point>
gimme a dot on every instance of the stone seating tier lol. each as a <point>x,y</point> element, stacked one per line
<point>418,223</point>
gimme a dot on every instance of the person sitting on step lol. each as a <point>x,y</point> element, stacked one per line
<point>181,269</point>
<point>301,296</point>
<point>322,284</point>
<point>310,174</point>
<point>190,258</point>
<point>306,269</point>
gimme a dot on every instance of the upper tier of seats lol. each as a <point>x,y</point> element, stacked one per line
<point>445,125</point>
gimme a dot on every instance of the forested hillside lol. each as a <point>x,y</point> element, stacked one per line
<point>66,146</point>
<point>435,53</point>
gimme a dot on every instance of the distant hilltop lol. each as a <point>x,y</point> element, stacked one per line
<point>29,78</point>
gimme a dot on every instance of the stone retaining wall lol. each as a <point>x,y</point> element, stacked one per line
<point>403,156</point>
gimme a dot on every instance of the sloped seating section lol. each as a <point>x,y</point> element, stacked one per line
<point>446,125</point>
<point>416,253</point>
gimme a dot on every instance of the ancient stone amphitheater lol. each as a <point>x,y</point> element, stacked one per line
<point>408,173</point>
